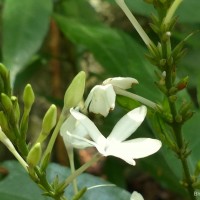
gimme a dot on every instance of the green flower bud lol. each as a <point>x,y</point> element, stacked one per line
<point>5,80</point>
<point>6,102</point>
<point>34,155</point>
<point>173,90</point>
<point>182,84</point>
<point>1,85</point>
<point>173,98</point>
<point>16,108</point>
<point>75,91</point>
<point>49,120</point>
<point>188,115</point>
<point>185,107</point>
<point>162,62</point>
<point>28,97</point>
<point>178,118</point>
<point>3,122</point>
<point>3,71</point>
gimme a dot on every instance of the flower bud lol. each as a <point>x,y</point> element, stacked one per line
<point>162,62</point>
<point>173,90</point>
<point>49,120</point>
<point>3,71</point>
<point>5,80</point>
<point>28,97</point>
<point>3,121</point>
<point>34,155</point>
<point>75,91</point>
<point>6,102</point>
<point>173,98</point>
<point>182,84</point>
<point>16,108</point>
<point>178,118</point>
<point>185,107</point>
<point>188,115</point>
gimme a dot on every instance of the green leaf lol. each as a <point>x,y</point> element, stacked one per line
<point>79,9</point>
<point>25,24</point>
<point>17,185</point>
<point>117,52</point>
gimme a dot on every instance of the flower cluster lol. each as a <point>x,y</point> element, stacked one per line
<point>80,132</point>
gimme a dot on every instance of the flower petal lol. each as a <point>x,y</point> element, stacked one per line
<point>101,99</point>
<point>93,132</point>
<point>74,127</point>
<point>80,143</point>
<point>133,149</point>
<point>128,124</point>
<point>77,141</point>
<point>121,82</point>
<point>115,149</point>
<point>136,196</point>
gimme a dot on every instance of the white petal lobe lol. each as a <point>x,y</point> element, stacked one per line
<point>121,82</point>
<point>93,132</point>
<point>128,124</point>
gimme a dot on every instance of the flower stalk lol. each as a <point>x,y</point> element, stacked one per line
<point>135,23</point>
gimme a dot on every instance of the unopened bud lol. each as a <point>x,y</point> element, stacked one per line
<point>173,98</point>
<point>3,71</point>
<point>178,118</point>
<point>49,120</point>
<point>34,155</point>
<point>5,80</point>
<point>6,102</point>
<point>185,107</point>
<point>166,36</point>
<point>74,93</point>
<point>28,97</point>
<point>188,115</point>
<point>162,62</point>
<point>183,83</point>
<point>3,121</point>
<point>16,108</point>
<point>173,90</point>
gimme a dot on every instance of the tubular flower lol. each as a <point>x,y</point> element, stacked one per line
<point>114,145</point>
<point>101,98</point>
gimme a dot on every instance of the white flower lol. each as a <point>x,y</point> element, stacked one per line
<point>101,98</point>
<point>115,144</point>
<point>136,196</point>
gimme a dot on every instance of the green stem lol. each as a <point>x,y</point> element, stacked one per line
<point>137,98</point>
<point>177,129</point>
<point>70,153</point>
<point>135,23</point>
<point>81,170</point>
<point>171,11</point>
<point>51,143</point>
<point>4,139</point>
